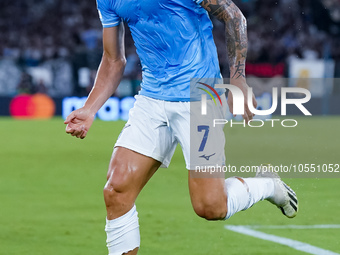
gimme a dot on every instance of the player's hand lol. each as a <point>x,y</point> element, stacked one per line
<point>79,122</point>
<point>241,84</point>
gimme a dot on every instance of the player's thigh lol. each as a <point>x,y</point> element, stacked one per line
<point>128,173</point>
<point>130,170</point>
<point>208,195</point>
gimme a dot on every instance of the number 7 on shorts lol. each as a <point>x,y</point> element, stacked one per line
<point>205,136</point>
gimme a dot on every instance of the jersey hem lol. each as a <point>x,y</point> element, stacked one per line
<point>164,98</point>
<point>114,24</point>
<point>172,99</point>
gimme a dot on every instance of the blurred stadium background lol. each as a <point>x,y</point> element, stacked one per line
<point>50,184</point>
<point>54,47</point>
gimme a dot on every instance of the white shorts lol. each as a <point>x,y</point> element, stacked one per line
<point>155,127</point>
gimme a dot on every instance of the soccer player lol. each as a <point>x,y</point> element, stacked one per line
<point>174,42</point>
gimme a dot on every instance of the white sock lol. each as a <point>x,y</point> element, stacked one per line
<point>241,196</point>
<point>123,233</point>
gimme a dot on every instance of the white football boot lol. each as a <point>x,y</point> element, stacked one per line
<point>284,197</point>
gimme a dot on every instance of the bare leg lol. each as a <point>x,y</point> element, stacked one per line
<point>128,173</point>
<point>217,199</point>
<point>208,196</point>
<point>134,252</point>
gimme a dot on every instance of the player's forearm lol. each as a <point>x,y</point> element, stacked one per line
<point>236,33</point>
<point>237,43</point>
<point>109,75</point>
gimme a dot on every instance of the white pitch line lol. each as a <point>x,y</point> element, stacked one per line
<point>326,226</point>
<point>297,245</point>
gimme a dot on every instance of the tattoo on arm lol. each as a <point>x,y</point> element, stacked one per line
<point>239,72</point>
<point>236,33</point>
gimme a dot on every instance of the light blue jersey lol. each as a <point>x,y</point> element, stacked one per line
<point>174,42</point>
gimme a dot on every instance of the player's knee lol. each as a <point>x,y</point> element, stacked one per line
<point>116,191</point>
<point>211,210</point>
<point>112,196</point>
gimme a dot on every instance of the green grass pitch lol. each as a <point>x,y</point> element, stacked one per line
<point>51,192</point>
